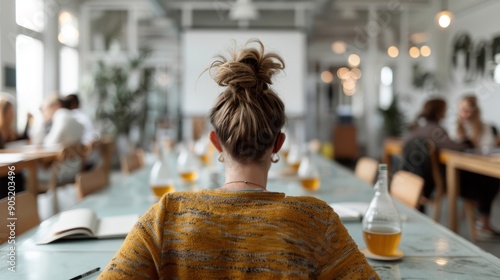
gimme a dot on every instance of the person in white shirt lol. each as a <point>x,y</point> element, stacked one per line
<point>72,103</point>
<point>59,125</point>
<point>470,127</point>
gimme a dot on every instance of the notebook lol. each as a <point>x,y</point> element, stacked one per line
<point>84,223</point>
<point>350,211</point>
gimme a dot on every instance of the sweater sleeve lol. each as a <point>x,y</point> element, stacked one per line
<point>139,257</point>
<point>443,141</point>
<point>341,258</point>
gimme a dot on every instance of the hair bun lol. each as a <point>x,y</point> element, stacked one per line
<point>249,69</point>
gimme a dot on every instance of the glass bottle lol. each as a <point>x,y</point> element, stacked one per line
<point>294,156</point>
<point>161,180</point>
<point>187,165</point>
<point>308,173</point>
<point>381,222</point>
<point>202,149</point>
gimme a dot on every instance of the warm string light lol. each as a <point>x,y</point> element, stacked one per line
<point>414,52</point>
<point>444,18</point>
<point>326,77</point>
<point>393,51</point>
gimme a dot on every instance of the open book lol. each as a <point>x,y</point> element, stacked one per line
<point>84,223</point>
<point>350,211</point>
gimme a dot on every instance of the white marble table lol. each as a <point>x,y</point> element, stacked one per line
<point>431,251</point>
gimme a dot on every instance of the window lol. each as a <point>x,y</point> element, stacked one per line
<point>30,14</point>
<point>68,63</point>
<point>68,54</point>
<point>385,92</point>
<point>29,63</point>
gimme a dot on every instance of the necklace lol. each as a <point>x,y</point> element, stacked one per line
<point>246,183</point>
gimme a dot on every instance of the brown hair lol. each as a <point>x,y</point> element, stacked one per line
<point>248,115</point>
<point>475,120</point>
<point>431,111</point>
<point>7,131</point>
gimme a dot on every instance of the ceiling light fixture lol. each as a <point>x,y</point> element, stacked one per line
<point>444,17</point>
<point>243,10</point>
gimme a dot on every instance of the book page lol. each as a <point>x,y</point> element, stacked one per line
<point>116,226</point>
<point>74,219</point>
<point>350,211</point>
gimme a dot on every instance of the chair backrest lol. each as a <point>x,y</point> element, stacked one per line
<point>68,163</point>
<point>26,212</point>
<point>437,175</point>
<point>420,157</point>
<point>407,188</point>
<point>89,182</point>
<point>366,169</point>
<point>132,161</point>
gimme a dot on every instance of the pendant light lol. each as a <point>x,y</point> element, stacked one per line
<point>444,18</point>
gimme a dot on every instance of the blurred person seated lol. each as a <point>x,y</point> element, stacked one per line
<point>470,128</point>
<point>58,127</point>
<point>72,103</point>
<point>8,134</point>
<point>427,127</point>
<point>241,230</point>
<point>8,131</point>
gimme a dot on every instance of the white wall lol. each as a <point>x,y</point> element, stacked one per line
<point>201,46</point>
<point>8,32</point>
<point>482,23</point>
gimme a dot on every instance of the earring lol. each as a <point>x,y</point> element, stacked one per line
<point>221,158</point>
<point>275,159</point>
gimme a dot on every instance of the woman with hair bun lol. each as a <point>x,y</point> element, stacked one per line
<point>241,230</point>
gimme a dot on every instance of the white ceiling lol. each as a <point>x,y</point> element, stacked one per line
<point>323,20</point>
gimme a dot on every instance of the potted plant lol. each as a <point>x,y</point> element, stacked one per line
<point>121,92</point>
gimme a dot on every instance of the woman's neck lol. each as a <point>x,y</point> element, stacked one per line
<point>254,173</point>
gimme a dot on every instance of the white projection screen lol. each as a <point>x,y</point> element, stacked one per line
<point>201,47</point>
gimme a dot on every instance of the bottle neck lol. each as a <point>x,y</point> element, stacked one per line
<point>382,186</point>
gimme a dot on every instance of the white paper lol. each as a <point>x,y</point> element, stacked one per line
<point>350,211</point>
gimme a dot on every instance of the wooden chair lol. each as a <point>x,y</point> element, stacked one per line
<point>437,175</point>
<point>26,213</point>
<point>132,162</point>
<point>407,188</point>
<point>70,159</point>
<point>366,169</point>
<point>420,157</point>
<point>91,181</point>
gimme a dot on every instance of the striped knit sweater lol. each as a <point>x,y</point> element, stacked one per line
<point>233,235</point>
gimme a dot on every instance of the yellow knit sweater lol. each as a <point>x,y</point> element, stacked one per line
<point>233,235</point>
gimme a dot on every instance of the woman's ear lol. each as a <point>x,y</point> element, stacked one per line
<point>215,140</point>
<point>279,142</point>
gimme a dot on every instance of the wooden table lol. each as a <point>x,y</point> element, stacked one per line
<point>431,251</point>
<point>480,164</point>
<point>28,162</point>
<point>454,161</point>
<point>394,147</point>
